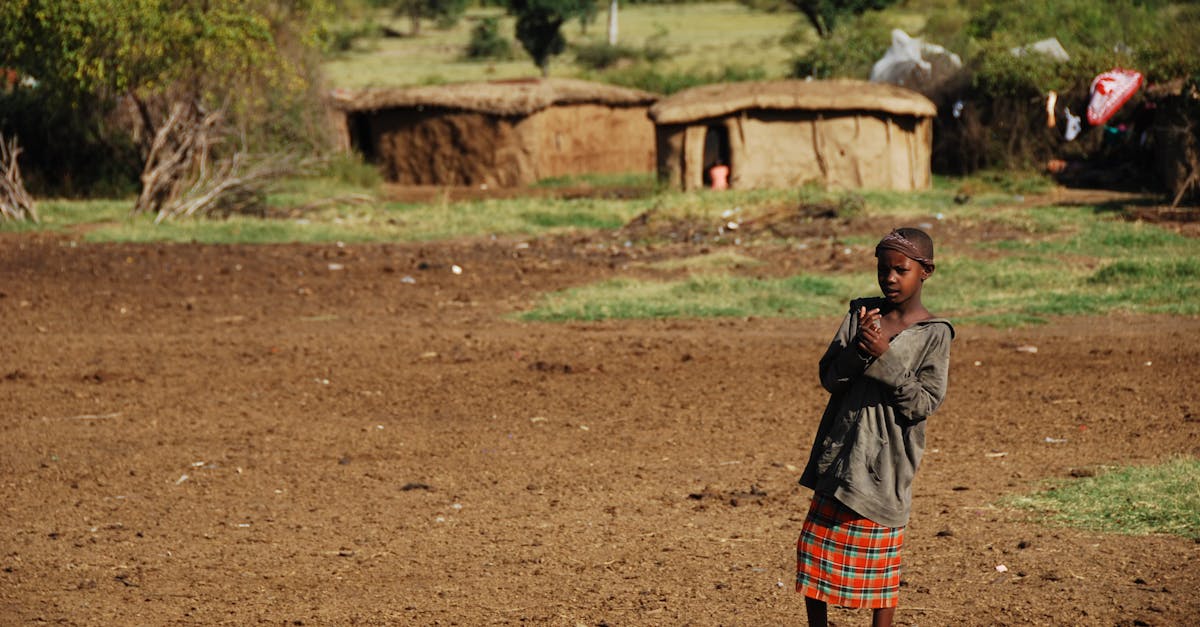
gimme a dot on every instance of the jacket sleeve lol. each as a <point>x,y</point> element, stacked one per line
<point>841,362</point>
<point>917,393</point>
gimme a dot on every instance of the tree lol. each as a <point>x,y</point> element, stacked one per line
<point>445,13</point>
<point>539,26</point>
<point>824,14</point>
<point>253,58</point>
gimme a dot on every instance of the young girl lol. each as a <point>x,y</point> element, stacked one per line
<point>886,373</point>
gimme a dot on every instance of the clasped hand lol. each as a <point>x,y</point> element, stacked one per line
<point>870,333</point>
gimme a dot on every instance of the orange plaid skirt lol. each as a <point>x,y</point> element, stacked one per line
<point>845,559</point>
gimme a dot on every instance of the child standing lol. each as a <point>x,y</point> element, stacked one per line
<point>886,372</point>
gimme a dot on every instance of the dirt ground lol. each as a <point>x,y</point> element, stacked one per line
<point>327,435</point>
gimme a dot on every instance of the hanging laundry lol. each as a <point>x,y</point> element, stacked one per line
<point>1074,125</point>
<point>1110,91</point>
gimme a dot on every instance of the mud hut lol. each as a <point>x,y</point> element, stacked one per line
<point>502,133</point>
<point>842,133</point>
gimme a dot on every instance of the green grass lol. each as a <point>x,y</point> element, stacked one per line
<point>1131,500</point>
<point>1041,262</point>
<point>701,296</point>
<point>1063,261</point>
<point>58,214</point>
<point>697,38</point>
<point>642,180</point>
<point>718,261</point>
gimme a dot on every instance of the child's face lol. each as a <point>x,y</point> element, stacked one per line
<point>900,278</point>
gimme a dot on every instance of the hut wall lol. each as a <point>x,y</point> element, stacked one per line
<point>338,122</point>
<point>588,138</point>
<point>791,148</point>
<point>442,147</point>
<point>668,139</point>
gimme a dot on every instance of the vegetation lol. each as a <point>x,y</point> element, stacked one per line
<point>1134,500</point>
<point>824,15</point>
<point>1039,261</point>
<point>445,13</point>
<point>487,42</point>
<point>539,26</point>
<point>997,127</point>
<point>99,76</point>
<point>673,45</point>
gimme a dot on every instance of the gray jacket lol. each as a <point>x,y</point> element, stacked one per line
<point>872,434</point>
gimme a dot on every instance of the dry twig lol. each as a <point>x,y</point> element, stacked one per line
<point>183,177</point>
<point>15,202</point>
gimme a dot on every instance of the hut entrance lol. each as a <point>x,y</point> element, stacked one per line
<point>717,168</point>
<point>360,137</point>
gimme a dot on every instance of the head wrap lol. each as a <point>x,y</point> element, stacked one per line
<point>897,242</point>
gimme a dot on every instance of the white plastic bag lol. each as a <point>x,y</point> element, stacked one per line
<point>915,64</point>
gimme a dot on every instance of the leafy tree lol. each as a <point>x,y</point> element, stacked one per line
<point>86,57</point>
<point>539,26</point>
<point>825,14</point>
<point>444,13</point>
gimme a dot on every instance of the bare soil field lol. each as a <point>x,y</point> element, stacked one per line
<point>327,435</point>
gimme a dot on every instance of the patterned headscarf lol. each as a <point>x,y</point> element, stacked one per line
<point>898,242</point>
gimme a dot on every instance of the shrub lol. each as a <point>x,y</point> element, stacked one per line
<point>486,41</point>
<point>647,77</point>
<point>601,56</point>
<point>849,52</point>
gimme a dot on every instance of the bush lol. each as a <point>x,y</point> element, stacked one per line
<point>69,152</point>
<point>849,52</point>
<point>646,77</point>
<point>486,41</point>
<point>343,37</point>
<point>601,56</point>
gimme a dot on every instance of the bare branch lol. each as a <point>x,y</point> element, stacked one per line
<point>186,175</point>
<point>15,202</point>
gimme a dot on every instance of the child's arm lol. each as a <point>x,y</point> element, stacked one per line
<point>917,393</point>
<point>842,362</point>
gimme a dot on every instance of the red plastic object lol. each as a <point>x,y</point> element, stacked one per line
<point>1110,91</point>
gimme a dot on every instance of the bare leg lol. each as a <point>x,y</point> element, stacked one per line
<point>818,612</point>
<point>882,617</point>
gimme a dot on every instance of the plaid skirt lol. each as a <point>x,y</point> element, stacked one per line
<point>845,559</point>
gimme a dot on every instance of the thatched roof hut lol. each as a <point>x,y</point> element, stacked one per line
<point>502,133</point>
<point>841,133</point>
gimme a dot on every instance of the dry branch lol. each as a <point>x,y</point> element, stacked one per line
<point>15,202</point>
<point>183,175</point>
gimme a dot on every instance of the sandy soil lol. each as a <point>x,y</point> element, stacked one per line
<point>324,435</point>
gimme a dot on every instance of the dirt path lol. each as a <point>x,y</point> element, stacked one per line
<point>325,435</point>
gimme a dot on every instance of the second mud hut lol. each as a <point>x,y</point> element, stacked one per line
<point>502,133</point>
<point>840,133</point>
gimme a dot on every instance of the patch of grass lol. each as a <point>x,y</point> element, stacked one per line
<point>1133,500</point>
<point>527,216</point>
<point>1057,260</point>
<point>719,261</point>
<point>236,230</point>
<point>702,296</point>
<point>574,219</point>
<point>621,179</point>
<point>57,215</point>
